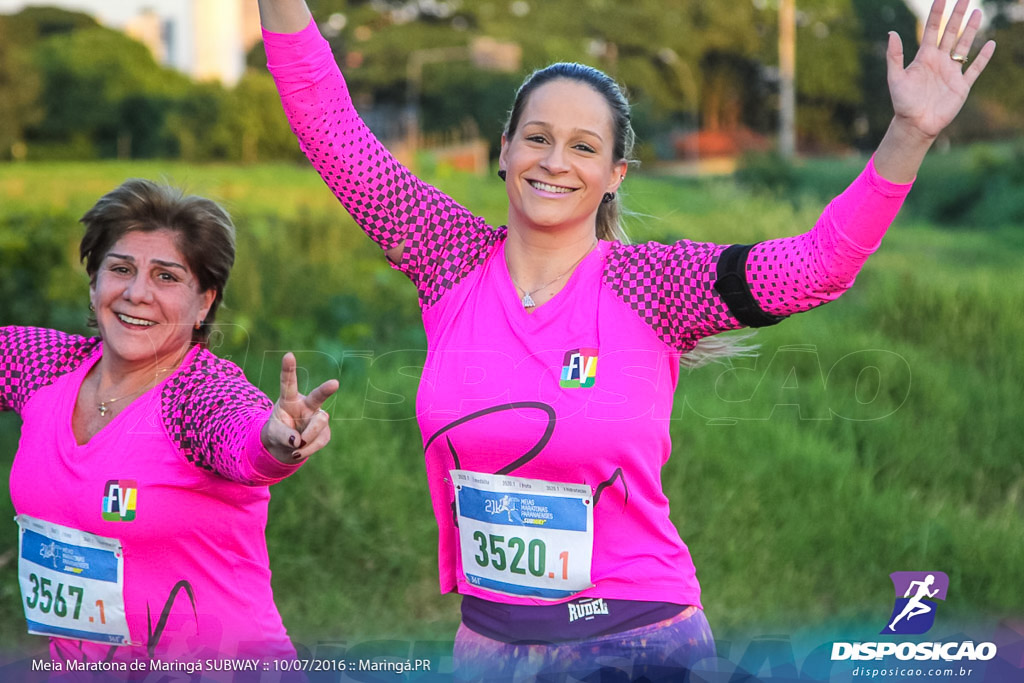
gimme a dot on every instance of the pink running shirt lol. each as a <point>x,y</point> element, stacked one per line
<point>492,398</point>
<point>197,574</point>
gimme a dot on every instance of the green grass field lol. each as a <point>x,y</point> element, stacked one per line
<point>881,433</point>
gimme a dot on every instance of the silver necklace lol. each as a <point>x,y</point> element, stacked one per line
<point>527,298</point>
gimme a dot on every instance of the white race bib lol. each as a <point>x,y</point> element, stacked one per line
<point>524,537</point>
<point>72,582</point>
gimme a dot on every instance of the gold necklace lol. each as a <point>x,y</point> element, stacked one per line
<point>103,406</point>
<point>527,299</point>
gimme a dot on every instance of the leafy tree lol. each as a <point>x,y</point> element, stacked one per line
<point>89,75</point>
<point>199,124</point>
<point>875,19</point>
<point>19,88</point>
<point>256,123</point>
<point>651,46</point>
<point>143,125</point>
<point>734,93</point>
<point>997,100</point>
<point>684,62</point>
<point>683,59</point>
<point>20,80</point>
<point>33,24</point>
<point>484,100</point>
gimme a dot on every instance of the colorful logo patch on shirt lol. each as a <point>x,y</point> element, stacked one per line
<point>579,369</point>
<point>119,499</point>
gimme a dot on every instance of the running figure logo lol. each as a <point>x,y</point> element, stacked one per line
<point>49,552</point>
<point>504,504</point>
<point>914,613</point>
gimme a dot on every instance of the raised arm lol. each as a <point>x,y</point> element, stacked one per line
<point>425,233</point>
<point>794,274</point>
<point>703,289</point>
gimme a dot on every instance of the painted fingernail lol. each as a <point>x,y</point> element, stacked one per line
<point>291,440</point>
<point>296,455</point>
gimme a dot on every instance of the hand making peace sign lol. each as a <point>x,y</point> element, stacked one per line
<point>298,427</point>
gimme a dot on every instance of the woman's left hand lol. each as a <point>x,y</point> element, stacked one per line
<point>298,426</point>
<point>928,94</point>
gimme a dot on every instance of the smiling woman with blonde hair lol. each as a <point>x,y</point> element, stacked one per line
<point>554,349</point>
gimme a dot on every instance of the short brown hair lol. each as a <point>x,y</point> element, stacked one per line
<point>204,233</point>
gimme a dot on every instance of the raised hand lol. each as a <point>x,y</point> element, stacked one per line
<point>931,90</point>
<point>298,427</point>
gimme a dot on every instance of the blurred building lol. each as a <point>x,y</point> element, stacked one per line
<point>206,39</point>
<point>150,29</point>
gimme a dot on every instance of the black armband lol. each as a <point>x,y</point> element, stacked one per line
<point>732,286</point>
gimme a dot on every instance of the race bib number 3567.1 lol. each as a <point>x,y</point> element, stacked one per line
<point>72,582</point>
<point>524,537</point>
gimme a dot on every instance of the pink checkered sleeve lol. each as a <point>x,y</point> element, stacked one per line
<point>670,287</point>
<point>33,357</point>
<point>214,416</point>
<point>443,240</point>
<point>209,410</point>
<point>799,273</point>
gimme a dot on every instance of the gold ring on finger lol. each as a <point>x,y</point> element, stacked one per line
<point>957,57</point>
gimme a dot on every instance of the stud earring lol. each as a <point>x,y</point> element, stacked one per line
<point>502,174</point>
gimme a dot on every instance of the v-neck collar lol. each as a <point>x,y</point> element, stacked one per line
<point>552,308</point>
<point>133,407</point>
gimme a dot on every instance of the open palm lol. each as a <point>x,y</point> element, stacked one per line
<point>931,90</point>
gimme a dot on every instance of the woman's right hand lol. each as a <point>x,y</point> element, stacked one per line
<point>298,427</point>
<point>284,16</point>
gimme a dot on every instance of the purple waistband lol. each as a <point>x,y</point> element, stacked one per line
<point>574,620</point>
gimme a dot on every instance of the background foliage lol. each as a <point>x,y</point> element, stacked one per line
<point>880,433</point>
<point>70,88</point>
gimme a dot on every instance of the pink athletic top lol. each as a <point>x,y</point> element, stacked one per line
<point>196,570</point>
<point>492,399</point>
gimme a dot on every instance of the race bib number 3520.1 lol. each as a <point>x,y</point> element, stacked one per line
<point>524,537</point>
<point>72,582</point>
